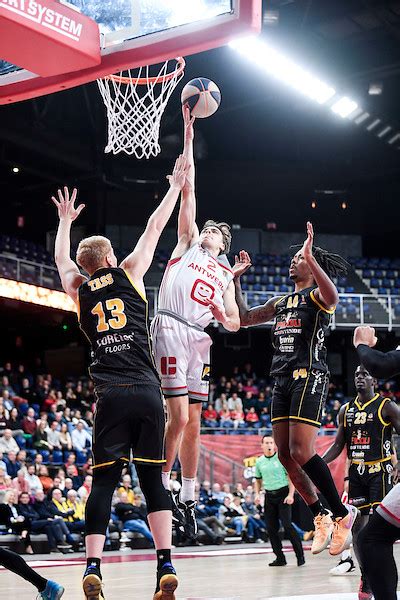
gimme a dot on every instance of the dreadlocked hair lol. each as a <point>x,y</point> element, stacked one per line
<point>332,264</point>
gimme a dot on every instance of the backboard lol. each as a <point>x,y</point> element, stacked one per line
<point>140,32</point>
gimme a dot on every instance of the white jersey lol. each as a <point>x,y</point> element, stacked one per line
<point>389,508</point>
<point>190,281</point>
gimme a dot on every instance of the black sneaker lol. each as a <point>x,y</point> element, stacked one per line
<point>178,514</point>
<point>167,582</point>
<point>190,518</point>
<point>301,561</point>
<point>278,562</point>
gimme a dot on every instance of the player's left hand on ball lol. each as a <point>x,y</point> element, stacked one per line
<point>364,335</point>
<point>218,312</point>
<point>242,263</point>
<point>288,500</point>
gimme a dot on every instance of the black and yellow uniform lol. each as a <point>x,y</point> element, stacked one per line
<point>369,448</point>
<point>299,362</point>
<point>113,314</point>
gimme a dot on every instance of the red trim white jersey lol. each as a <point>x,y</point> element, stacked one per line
<point>190,281</point>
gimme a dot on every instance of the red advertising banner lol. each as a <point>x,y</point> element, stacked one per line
<point>226,459</point>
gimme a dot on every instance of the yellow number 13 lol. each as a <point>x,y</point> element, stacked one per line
<point>118,317</point>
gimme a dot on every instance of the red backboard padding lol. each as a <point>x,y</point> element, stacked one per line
<point>47,38</point>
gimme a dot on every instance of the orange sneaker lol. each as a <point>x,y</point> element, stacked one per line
<point>342,536</point>
<point>323,530</point>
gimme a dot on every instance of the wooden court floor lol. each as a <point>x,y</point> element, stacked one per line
<point>206,573</point>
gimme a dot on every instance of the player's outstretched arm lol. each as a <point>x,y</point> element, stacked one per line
<point>139,261</point>
<point>326,292</point>
<point>378,364</point>
<point>71,277</point>
<point>340,441</point>
<point>188,233</point>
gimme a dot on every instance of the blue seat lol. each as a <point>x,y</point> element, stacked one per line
<point>57,457</point>
<point>46,456</point>
<point>81,458</point>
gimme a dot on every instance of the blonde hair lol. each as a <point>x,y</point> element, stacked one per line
<point>92,252</point>
<point>225,229</point>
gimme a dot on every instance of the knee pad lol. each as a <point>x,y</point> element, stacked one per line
<point>153,490</point>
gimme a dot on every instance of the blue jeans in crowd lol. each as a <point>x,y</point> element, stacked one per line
<point>140,527</point>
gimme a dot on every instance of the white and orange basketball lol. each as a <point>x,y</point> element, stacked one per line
<point>203,97</point>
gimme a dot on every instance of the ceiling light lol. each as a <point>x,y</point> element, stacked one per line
<point>15,169</point>
<point>281,67</point>
<point>344,107</point>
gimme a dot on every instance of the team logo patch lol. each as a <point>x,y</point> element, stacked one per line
<point>205,376</point>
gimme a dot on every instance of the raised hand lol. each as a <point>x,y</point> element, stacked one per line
<point>180,172</point>
<point>364,335</point>
<point>242,263</point>
<point>308,244</point>
<point>66,205</point>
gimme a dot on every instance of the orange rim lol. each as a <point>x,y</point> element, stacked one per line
<point>157,79</point>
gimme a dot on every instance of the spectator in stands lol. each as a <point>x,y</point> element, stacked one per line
<point>38,461</point>
<point>174,483</point>
<point>225,416</point>
<point>29,424</point>
<point>255,526</point>
<point>238,491</point>
<point>261,403</point>
<point>3,464</point>
<point>12,465</point>
<point>6,387</point>
<point>81,438</point>
<point>39,525</point>
<point>14,423</point>
<point>8,402</point>
<point>328,422</point>
<point>76,522</point>
<point>72,473</point>
<point>126,486</point>
<point>210,416</point>
<point>220,402</point>
<point>52,413</point>
<point>237,417</point>
<point>27,392</point>
<point>87,468</point>
<point>67,418</point>
<point>11,517</point>
<point>218,494</point>
<point>252,417</point>
<point>71,461</point>
<point>4,482</point>
<point>3,419</point>
<point>133,515</point>
<point>68,485</point>
<point>248,402</point>
<point>86,487</point>
<point>45,479</point>
<point>265,417</point>
<point>34,482</point>
<point>53,437</point>
<point>8,443</point>
<point>20,484</point>
<point>235,402</point>
<point>230,517</point>
<point>43,507</point>
<point>40,438</point>
<point>65,438</point>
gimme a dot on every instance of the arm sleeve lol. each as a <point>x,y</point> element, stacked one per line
<point>379,364</point>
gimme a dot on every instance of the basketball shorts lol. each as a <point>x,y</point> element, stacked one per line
<point>300,397</point>
<point>182,356</point>
<point>129,420</point>
<point>369,484</point>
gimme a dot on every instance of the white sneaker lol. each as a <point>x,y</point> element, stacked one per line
<point>344,567</point>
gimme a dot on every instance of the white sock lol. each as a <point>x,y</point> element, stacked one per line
<point>165,476</point>
<point>187,490</point>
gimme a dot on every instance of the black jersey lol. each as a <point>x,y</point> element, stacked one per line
<point>114,316</point>
<point>298,333</point>
<point>368,436</point>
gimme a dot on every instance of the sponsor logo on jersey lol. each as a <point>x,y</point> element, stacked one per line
<point>208,272</point>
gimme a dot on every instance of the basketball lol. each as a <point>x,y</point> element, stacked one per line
<point>203,97</point>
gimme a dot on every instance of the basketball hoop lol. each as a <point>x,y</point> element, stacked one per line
<point>135,104</point>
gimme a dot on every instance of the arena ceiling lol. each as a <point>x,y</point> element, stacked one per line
<point>264,157</point>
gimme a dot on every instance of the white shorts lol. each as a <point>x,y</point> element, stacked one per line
<point>182,356</point>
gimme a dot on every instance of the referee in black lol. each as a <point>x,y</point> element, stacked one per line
<point>279,496</point>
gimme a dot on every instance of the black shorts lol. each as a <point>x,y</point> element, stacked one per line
<point>300,397</point>
<point>129,418</point>
<point>369,484</point>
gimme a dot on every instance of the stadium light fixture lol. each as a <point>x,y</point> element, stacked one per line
<point>277,65</point>
<point>15,169</point>
<point>344,107</point>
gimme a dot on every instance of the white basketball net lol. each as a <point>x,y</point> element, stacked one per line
<point>135,105</point>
